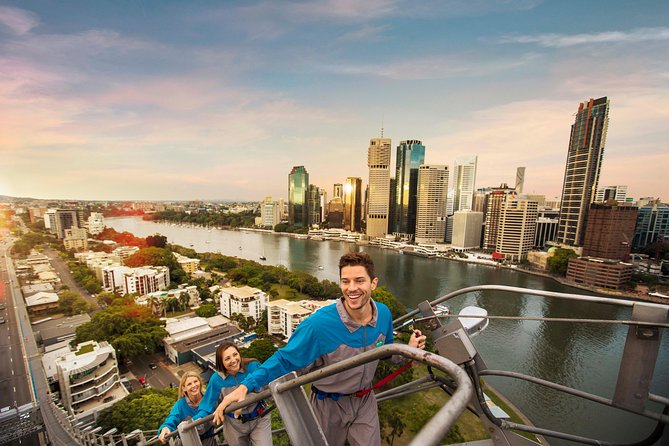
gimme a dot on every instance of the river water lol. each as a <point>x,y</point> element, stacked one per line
<point>583,356</point>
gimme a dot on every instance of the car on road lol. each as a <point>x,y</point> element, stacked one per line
<point>2,306</point>
<point>153,366</point>
<point>2,320</point>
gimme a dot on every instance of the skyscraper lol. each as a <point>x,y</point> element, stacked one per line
<point>378,161</point>
<point>338,191</point>
<point>410,155</point>
<point>618,193</point>
<point>517,224</point>
<point>353,204</point>
<point>652,224</point>
<point>314,205</point>
<point>464,178</point>
<point>298,188</point>
<point>431,203</point>
<point>520,179</point>
<point>497,196</point>
<point>584,161</point>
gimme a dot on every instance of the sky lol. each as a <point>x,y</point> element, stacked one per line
<point>211,100</point>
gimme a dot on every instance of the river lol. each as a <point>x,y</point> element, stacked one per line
<point>583,356</point>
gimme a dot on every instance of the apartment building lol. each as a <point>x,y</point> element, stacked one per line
<point>244,300</point>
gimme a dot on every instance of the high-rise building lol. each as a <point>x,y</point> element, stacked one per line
<point>336,213</point>
<point>466,230</point>
<point>298,188</point>
<point>323,199</point>
<point>652,224</point>
<point>391,207</point>
<point>378,162</point>
<point>353,204</point>
<point>496,197</point>
<point>520,180</point>
<point>609,232</point>
<point>66,219</point>
<point>96,223</point>
<point>338,191</point>
<point>410,156</point>
<point>270,213</point>
<point>517,224</point>
<point>464,179</point>
<point>617,193</point>
<point>431,203</point>
<point>314,205</point>
<point>584,161</point>
<point>546,231</point>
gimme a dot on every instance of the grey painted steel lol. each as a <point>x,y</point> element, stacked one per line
<point>302,426</point>
<point>431,434</point>
<point>568,296</point>
<point>579,393</point>
<point>560,319</point>
<point>188,434</point>
<point>639,357</point>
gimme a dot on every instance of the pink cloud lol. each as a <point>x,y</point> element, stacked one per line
<point>19,21</point>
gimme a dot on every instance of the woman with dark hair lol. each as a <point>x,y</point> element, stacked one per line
<point>190,395</point>
<point>253,427</point>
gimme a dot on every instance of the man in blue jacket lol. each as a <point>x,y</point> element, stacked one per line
<point>353,325</point>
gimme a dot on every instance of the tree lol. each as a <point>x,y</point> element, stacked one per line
<point>383,295</point>
<point>143,409</point>
<point>157,240</point>
<point>206,310</point>
<point>70,303</point>
<point>130,328</point>
<point>260,349</point>
<point>558,263</point>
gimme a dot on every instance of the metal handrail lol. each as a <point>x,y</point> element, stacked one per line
<point>513,289</point>
<point>433,431</point>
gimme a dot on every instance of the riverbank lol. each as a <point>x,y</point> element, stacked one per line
<point>471,258</point>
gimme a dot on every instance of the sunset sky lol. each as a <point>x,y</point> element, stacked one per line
<point>175,100</point>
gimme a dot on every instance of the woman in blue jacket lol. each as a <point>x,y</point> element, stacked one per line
<point>253,427</point>
<point>190,395</point>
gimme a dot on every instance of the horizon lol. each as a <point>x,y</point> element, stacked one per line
<point>171,101</point>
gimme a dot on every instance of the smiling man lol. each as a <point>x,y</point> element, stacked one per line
<point>353,325</point>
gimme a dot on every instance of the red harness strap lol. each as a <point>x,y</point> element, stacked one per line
<point>384,381</point>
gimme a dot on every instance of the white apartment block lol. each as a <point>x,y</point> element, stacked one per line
<point>124,280</point>
<point>270,212</point>
<point>378,162</point>
<point>467,228</point>
<point>96,223</point>
<point>75,238</point>
<point>517,225</point>
<point>89,379</point>
<point>97,260</point>
<point>244,300</point>
<point>431,203</point>
<point>187,264</point>
<point>284,316</point>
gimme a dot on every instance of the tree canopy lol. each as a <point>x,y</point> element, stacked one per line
<point>144,409</point>
<point>130,328</point>
<point>260,349</point>
<point>155,256</point>
<point>70,303</point>
<point>559,262</point>
<point>206,310</point>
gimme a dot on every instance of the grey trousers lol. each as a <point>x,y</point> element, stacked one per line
<point>352,418</point>
<point>253,433</point>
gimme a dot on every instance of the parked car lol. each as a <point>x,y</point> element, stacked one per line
<point>2,320</point>
<point>153,366</point>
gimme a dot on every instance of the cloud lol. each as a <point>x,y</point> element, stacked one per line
<point>433,67</point>
<point>19,21</point>
<point>366,33</point>
<point>566,40</point>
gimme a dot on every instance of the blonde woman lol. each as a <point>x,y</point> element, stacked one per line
<point>253,427</point>
<point>190,394</point>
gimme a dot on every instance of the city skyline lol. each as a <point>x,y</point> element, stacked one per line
<point>171,101</point>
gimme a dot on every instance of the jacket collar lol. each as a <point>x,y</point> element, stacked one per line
<point>350,323</point>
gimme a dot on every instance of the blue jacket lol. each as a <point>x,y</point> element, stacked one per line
<point>326,337</point>
<point>180,411</point>
<point>221,385</point>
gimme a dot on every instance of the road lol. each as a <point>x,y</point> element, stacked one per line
<point>31,386</point>
<point>66,277</point>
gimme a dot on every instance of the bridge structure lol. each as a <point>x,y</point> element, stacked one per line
<point>457,368</point>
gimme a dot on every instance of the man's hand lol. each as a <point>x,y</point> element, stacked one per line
<point>163,433</point>
<point>236,395</point>
<point>417,339</point>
